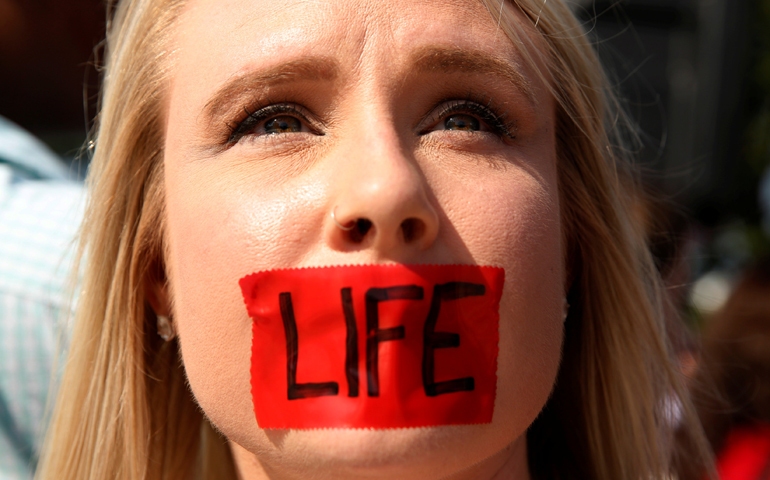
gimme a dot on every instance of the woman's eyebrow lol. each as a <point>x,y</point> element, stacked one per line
<point>427,59</point>
<point>243,85</point>
<point>450,60</point>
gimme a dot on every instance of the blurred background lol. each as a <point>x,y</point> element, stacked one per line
<point>695,75</point>
<point>696,78</point>
<point>48,83</point>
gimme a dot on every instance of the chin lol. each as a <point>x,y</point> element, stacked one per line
<point>404,453</point>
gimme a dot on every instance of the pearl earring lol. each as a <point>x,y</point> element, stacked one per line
<point>565,311</point>
<point>165,328</point>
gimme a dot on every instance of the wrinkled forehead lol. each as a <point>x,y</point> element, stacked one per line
<point>334,26</point>
<point>218,39</point>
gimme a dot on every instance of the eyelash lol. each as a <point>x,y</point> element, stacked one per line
<point>482,107</point>
<point>258,114</point>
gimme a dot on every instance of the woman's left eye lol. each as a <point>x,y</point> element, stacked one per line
<point>462,121</point>
<point>467,116</point>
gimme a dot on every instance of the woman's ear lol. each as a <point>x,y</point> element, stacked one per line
<point>157,294</point>
<point>156,291</point>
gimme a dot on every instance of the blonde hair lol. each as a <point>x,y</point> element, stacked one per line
<point>124,410</point>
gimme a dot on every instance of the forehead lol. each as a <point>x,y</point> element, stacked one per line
<point>217,39</point>
<point>325,23</point>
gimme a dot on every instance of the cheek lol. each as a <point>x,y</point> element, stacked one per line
<point>519,229</point>
<point>219,232</point>
<point>531,327</point>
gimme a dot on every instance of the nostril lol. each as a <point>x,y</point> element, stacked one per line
<point>360,229</point>
<point>412,229</point>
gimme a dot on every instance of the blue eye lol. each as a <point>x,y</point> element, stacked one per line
<point>272,120</point>
<point>462,122</point>
<point>283,124</point>
<point>474,114</point>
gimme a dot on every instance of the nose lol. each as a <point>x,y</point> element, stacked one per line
<point>380,201</point>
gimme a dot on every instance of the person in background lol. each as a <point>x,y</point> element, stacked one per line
<point>736,363</point>
<point>40,210</point>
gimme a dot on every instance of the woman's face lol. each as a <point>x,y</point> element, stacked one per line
<point>418,116</point>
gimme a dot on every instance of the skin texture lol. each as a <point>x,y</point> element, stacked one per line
<point>372,144</point>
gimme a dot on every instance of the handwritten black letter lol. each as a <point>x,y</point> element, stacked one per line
<point>433,340</point>
<point>298,390</point>
<point>375,335</point>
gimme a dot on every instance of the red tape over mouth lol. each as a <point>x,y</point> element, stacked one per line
<point>374,346</point>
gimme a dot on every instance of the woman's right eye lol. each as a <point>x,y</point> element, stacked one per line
<point>282,124</point>
<point>277,119</point>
